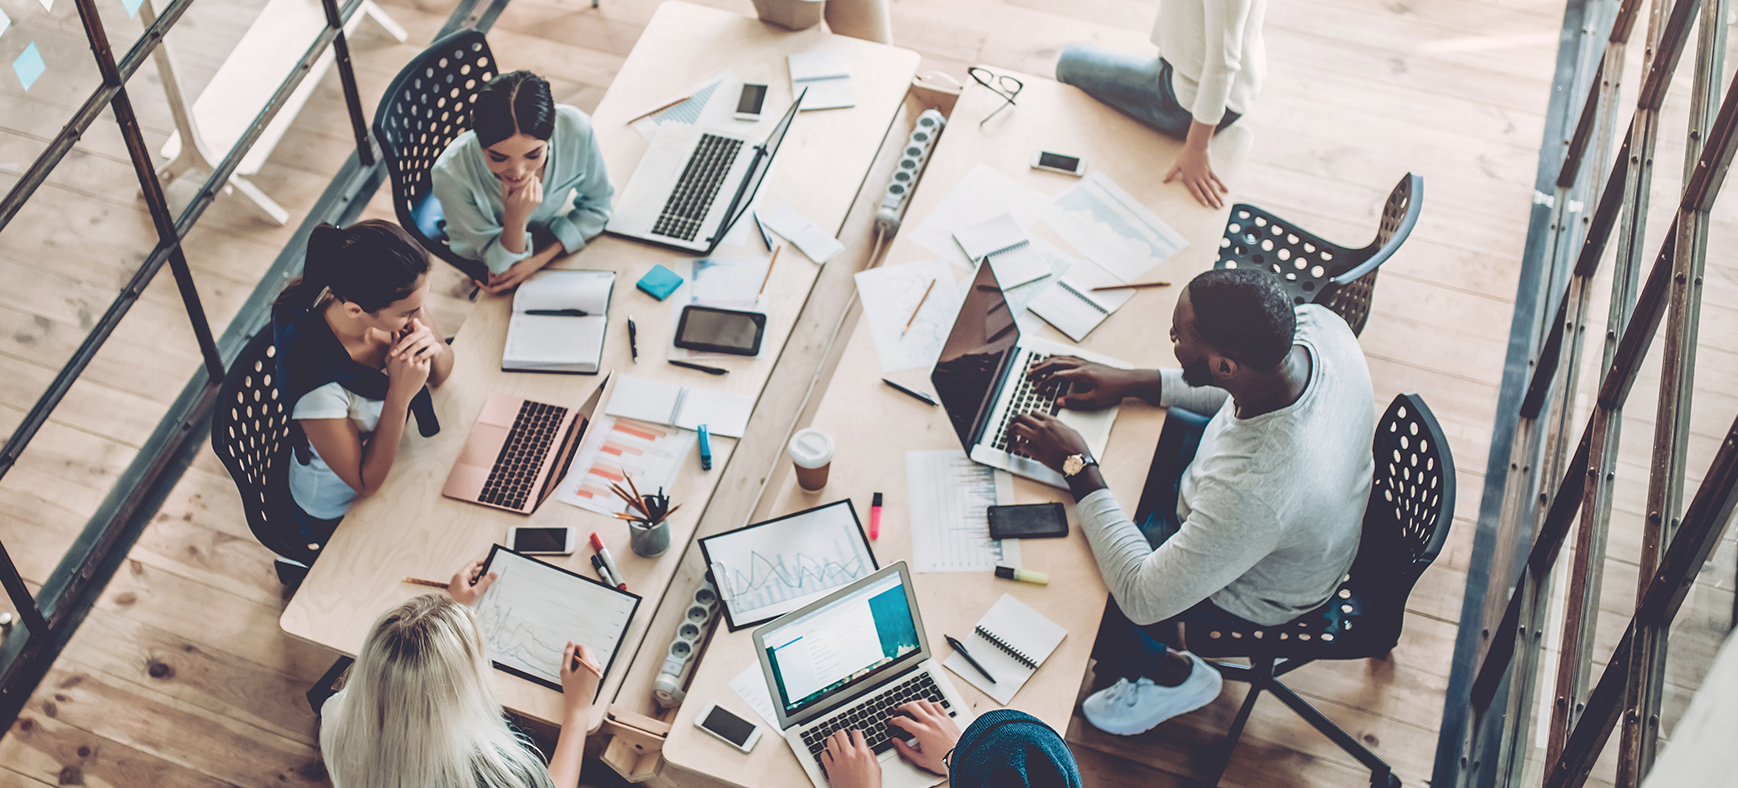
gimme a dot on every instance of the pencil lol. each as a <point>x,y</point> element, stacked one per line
<point>660,109</point>
<point>768,277</point>
<point>582,662</point>
<point>1131,286</point>
<point>417,581</point>
<point>919,308</point>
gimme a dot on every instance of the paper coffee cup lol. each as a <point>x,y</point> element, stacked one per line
<point>811,452</point>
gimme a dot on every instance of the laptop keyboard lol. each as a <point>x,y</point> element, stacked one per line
<point>871,714</point>
<point>699,185</point>
<point>1028,398</point>
<point>515,469</point>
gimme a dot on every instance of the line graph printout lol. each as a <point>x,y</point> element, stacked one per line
<point>614,448</point>
<point>890,293</point>
<point>534,608</point>
<point>1110,227</point>
<point>768,569</point>
<point>950,520</point>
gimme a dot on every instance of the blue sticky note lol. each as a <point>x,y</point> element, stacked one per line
<point>659,282</point>
<point>132,7</point>
<point>29,65</point>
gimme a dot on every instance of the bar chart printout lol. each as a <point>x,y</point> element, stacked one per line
<point>950,521</point>
<point>614,448</point>
<point>766,570</point>
<point>533,609</point>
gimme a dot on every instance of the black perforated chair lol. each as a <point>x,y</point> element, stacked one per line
<point>250,431</point>
<point>1314,270</point>
<point>428,105</point>
<point>1405,524</point>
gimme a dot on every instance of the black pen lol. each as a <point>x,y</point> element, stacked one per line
<point>961,648</point>
<point>633,340</point>
<point>764,238</point>
<point>917,394</point>
<point>558,312</point>
<point>702,367</point>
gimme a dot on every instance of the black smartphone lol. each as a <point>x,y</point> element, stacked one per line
<point>715,330</point>
<point>1028,521</point>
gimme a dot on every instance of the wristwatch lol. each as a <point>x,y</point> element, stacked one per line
<point>1073,464</point>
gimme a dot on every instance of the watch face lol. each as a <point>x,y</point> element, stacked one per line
<point>1073,465</point>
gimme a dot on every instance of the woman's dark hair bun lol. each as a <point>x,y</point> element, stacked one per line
<point>513,103</point>
<point>371,264</point>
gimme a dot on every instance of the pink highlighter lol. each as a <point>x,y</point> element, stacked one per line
<point>875,517</point>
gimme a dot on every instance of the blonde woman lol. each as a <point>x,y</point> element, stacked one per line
<point>417,710</point>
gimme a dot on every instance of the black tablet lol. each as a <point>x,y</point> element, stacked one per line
<point>715,330</point>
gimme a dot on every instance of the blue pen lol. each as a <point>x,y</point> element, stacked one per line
<point>705,449</point>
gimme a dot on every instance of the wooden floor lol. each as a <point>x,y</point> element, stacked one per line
<point>181,677</point>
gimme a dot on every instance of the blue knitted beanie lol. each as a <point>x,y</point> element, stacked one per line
<point>1006,748</point>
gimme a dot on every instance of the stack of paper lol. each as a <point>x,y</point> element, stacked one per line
<point>827,75</point>
<point>561,339</point>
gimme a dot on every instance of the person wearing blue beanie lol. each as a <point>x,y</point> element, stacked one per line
<point>1002,748</point>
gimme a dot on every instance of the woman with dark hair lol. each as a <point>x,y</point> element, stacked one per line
<point>525,185</point>
<point>354,350</point>
<point>1003,748</point>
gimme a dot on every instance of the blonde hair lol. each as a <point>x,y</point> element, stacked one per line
<point>417,710</point>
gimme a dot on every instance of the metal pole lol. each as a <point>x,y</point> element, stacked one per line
<point>347,77</point>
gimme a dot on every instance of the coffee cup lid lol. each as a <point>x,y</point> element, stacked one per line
<point>811,448</point>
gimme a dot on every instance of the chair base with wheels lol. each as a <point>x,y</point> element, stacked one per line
<point>1405,525</point>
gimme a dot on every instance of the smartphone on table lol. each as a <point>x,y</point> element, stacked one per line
<point>542,540</point>
<point>751,101</point>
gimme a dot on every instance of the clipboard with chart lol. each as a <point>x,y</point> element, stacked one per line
<point>533,609</point>
<point>767,569</point>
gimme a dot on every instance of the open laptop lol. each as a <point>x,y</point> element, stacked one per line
<point>692,185</point>
<point>981,380</point>
<point>518,452</point>
<point>848,661</point>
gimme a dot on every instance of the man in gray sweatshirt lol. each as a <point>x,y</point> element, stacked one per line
<point>1267,512</point>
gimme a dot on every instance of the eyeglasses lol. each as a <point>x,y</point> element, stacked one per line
<point>1005,86</point>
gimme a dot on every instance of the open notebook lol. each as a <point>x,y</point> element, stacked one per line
<point>687,407</point>
<point>559,342</point>
<point>1010,642</point>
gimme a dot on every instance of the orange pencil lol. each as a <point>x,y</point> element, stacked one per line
<point>417,581</point>
<point>1131,286</point>
<point>919,308</point>
<point>768,277</point>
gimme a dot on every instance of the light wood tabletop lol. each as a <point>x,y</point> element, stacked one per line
<point>409,529</point>
<point>873,426</point>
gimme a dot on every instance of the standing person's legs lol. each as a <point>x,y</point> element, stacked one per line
<point>869,20</point>
<point>1139,87</point>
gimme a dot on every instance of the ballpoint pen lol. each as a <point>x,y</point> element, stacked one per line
<point>633,339</point>
<point>558,312</point>
<point>702,367</point>
<point>961,648</point>
<point>917,395</point>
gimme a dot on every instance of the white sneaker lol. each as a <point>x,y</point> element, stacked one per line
<point>1127,708</point>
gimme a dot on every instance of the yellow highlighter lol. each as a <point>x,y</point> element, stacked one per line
<point>1023,575</point>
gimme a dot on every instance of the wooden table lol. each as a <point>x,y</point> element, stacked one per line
<point>873,425</point>
<point>407,528</point>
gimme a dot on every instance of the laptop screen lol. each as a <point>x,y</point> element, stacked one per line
<point>971,362</point>
<point>849,640</point>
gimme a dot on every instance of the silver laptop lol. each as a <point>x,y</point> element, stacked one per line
<point>981,380</point>
<point>691,186</point>
<point>848,661</point>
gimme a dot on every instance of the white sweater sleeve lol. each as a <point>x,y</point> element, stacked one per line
<point>1173,392</point>
<point>1209,551</point>
<point>1222,57</point>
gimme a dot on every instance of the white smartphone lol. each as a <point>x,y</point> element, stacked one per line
<point>733,730</point>
<point>542,541</point>
<point>1056,162</point>
<point>749,104</point>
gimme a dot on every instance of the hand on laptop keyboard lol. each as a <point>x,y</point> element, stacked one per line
<point>932,726</point>
<point>849,762</point>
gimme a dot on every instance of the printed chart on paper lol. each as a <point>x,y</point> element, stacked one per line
<point>1109,227</point>
<point>768,570</point>
<point>614,449</point>
<point>950,524</point>
<point>532,610</point>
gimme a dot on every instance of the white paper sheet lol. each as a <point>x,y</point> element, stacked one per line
<point>613,448</point>
<point>981,195</point>
<point>950,524</point>
<point>796,228</point>
<point>1109,227</point>
<point>890,293</point>
<point>826,75</point>
<point>750,685</point>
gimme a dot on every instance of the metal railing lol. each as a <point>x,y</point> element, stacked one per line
<point>1524,527</point>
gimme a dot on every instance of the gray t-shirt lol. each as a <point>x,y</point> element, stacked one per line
<point>1271,508</point>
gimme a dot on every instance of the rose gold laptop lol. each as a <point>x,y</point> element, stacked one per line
<point>518,452</point>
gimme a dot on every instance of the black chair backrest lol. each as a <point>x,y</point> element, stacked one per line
<point>428,105</point>
<point>1314,270</point>
<point>1405,525</point>
<point>250,430</point>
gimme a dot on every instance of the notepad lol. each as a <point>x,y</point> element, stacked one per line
<point>559,343</point>
<point>687,407</point>
<point>1072,307</point>
<point>1010,642</point>
<point>827,75</point>
<point>1002,243</point>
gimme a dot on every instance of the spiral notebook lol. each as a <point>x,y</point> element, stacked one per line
<point>1010,642</point>
<point>1072,307</point>
<point>1002,243</point>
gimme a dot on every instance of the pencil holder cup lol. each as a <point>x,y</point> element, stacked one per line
<point>648,540</point>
